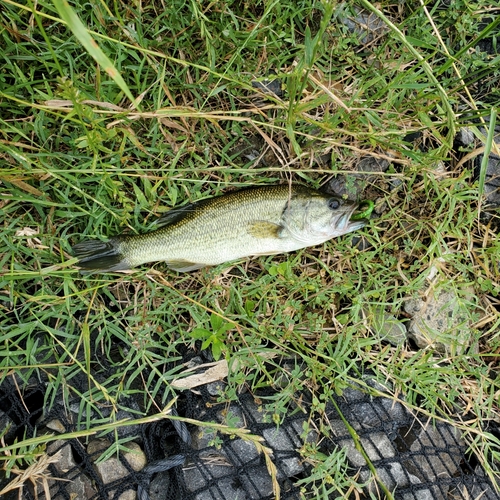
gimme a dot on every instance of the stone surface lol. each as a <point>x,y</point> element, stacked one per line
<point>258,483</point>
<point>444,459</point>
<point>280,439</point>
<point>392,475</point>
<point>424,494</point>
<point>269,86</point>
<point>79,486</point>
<point>352,185</point>
<point>232,415</point>
<point>384,325</point>
<point>56,425</point>
<point>442,322</point>
<point>159,485</point>
<point>215,465</point>
<point>482,490</point>
<point>367,25</point>
<point>201,437</point>
<point>377,446</point>
<point>225,489</point>
<point>112,469</point>
<point>216,388</point>
<point>245,450</point>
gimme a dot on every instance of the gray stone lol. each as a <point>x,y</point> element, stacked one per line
<point>245,450</point>
<point>269,86</point>
<point>367,25</point>
<point>443,321</point>
<point>424,494</point>
<point>465,136</point>
<point>215,465</point>
<point>298,428</point>
<point>385,326</point>
<point>216,388</point>
<point>79,486</point>
<point>257,483</point>
<point>441,448</point>
<point>193,478</point>
<point>338,428</point>
<point>377,446</point>
<point>232,415</point>
<point>353,395</point>
<point>258,413</point>
<point>129,431</point>
<point>482,489</point>
<point>159,486</point>
<point>56,425</point>
<point>225,490</point>
<point>112,469</point>
<point>279,439</point>
<point>291,466</point>
<point>393,476</point>
<point>201,437</point>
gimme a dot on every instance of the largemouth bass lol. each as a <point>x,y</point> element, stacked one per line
<point>256,221</point>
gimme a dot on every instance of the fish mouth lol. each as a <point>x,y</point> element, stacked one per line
<point>356,217</point>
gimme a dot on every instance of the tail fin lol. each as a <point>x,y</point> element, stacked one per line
<point>100,256</point>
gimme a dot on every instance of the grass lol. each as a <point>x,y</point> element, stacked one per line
<point>111,115</point>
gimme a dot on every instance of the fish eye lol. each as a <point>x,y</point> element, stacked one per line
<point>333,203</point>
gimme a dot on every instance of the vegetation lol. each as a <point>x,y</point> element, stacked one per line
<point>110,115</point>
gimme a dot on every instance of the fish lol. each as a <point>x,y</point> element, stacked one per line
<point>262,220</point>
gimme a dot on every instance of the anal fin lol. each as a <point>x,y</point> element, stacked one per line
<point>184,266</point>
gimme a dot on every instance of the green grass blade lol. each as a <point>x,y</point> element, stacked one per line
<point>486,155</point>
<point>74,23</point>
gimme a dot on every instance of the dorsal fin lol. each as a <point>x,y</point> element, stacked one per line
<point>176,214</point>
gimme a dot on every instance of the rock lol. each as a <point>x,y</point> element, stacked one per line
<point>244,450</point>
<point>56,425</point>
<point>225,489</point>
<point>215,465</point>
<point>284,441</point>
<point>445,460</point>
<point>232,416</point>
<point>377,446</point>
<point>159,486</point>
<point>201,437</point>
<point>216,388</point>
<point>481,489</point>
<point>384,325</point>
<point>443,322</point>
<point>271,86</point>
<point>367,25</point>
<point>79,486</point>
<point>464,137</point>
<point>424,494</point>
<point>112,469</point>
<point>258,483</point>
<point>353,185</point>
<point>393,476</point>
<point>280,439</point>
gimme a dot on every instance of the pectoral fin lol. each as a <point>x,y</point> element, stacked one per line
<point>264,229</point>
<point>184,266</point>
